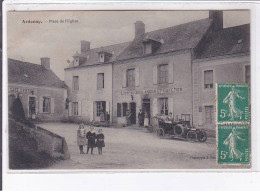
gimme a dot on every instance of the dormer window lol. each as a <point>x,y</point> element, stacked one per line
<point>151,45</point>
<point>78,59</point>
<point>104,56</point>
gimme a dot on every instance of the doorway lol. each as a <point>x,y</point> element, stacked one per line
<point>133,113</point>
<point>32,107</point>
<point>146,107</point>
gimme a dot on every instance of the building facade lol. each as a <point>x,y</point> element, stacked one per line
<point>43,94</point>
<point>224,58</point>
<point>89,81</point>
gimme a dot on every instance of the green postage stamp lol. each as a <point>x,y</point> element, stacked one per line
<point>233,124</point>
<point>232,103</point>
<point>233,144</point>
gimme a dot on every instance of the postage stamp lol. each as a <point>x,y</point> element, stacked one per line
<point>232,103</point>
<point>233,144</point>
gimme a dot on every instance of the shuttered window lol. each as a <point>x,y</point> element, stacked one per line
<point>118,110</point>
<point>130,77</point>
<point>75,83</point>
<point>100,81</point>
<point>163,74</point>
<point>209,114</point>
<point>208,79</point>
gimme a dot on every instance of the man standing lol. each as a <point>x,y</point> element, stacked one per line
<point>17,109</point>
<point>141,118</point>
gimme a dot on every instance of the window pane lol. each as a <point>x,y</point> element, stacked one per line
<point>163,74</point>
<point>75,108</point>
<point>130,76</point>
<point>100,80</point>
<point>46,105</point>
<point>208,77</point>
<point>75,82</point>
<point>124,109</point>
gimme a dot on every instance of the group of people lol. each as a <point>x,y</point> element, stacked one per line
<point>143,118</point>
<point>91,139</point>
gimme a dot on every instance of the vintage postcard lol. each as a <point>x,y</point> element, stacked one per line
<point>128,90</point>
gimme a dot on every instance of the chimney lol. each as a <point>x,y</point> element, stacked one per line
<point>45,62</point>
<point>85,46</point>
<point>139,28</point>
<point>217,17</point>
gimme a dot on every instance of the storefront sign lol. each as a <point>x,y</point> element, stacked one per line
<point>153,91</point>
<point>21,90</point>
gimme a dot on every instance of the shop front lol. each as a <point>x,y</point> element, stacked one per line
<point>39,103</point>
<point>150,102</point>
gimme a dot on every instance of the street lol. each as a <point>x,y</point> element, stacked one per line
<point>128,148</point>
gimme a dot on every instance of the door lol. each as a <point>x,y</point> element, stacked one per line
<point>32,107</point>
<point>146,108</point>
<point>133,112</point>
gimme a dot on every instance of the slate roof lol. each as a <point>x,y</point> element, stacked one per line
<point>92,55</point>
<point>227,41</point>
<point>32,74</point>
<point>179,37</point>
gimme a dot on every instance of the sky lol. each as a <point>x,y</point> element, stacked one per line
<point>59,41</point>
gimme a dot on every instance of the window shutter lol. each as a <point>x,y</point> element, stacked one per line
<point>171,72</point>
<point>107,106</point>
<point>40,104</point>
<point>36,105</point>
<point>137,76</point>
<point>170,105</point>
<point>70,109</point>
<point>79,108</point>
<point>91,111</point>
<point>124,78</point>
<point>155,74</point>
<point>155,108</point>
<point>52,105</point>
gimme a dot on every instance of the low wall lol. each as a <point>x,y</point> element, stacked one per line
<point>34,147</point>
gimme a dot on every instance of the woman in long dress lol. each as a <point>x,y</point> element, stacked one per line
<point>231,141</point>
<point>81,140</point>
<point>230,99</point>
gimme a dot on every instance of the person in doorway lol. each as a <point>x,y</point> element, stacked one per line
<point>141,118</point>
<point>107,118</point>
<point>17,109</point>
<point>102,116</point>
<point>146,120</point>
<point>100,141</point>
<point>81,140</point>
<point>128,117</point>
<point>91,136</point>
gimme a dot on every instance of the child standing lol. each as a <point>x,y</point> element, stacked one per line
<point>81,140</point>
<point>100,141</point>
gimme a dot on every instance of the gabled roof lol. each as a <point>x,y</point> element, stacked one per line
<point>227,41</point>
<point>92,56</point>
<point>32,74</point>
<point>179,37</point>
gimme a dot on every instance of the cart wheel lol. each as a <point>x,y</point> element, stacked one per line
<point>178,130</point>
<point>191,136</point>
<point>160,132</point>
<point>202,136</point>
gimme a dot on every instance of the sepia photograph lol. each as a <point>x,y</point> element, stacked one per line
<point>129,90</point>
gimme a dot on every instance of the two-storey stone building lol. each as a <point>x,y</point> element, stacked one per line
<point>171,70</point>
